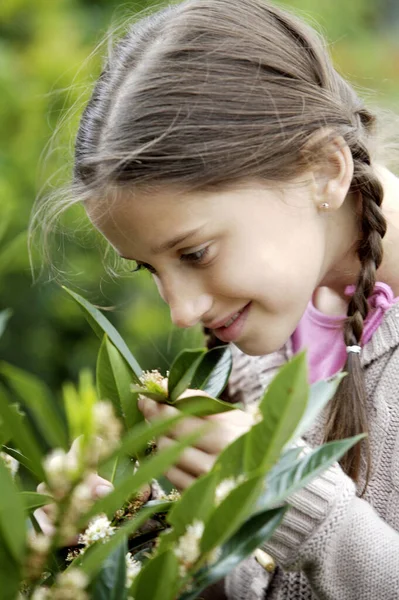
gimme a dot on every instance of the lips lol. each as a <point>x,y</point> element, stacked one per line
<point>233,331</point>
<point>222,322</point>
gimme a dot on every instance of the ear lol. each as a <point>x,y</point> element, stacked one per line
<point>333,176</point>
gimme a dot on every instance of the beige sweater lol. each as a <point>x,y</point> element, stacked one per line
<point>332,545</point>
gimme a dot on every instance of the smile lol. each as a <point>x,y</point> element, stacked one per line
<point>232,328</point>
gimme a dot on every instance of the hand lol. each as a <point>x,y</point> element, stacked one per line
<point>45,515</point>
<point>199,459</point>
<point>98,486</point>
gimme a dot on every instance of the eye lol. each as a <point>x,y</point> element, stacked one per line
<point>195,257</point>
<point>143,267</point>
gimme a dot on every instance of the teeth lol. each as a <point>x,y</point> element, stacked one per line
<point>231,321</point>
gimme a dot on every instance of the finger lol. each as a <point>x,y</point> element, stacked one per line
<point>42,488</point>
<point>236,417</point>
<point>179,479</point>
<point>99,487</point>
<point>145,493</point>
<point>44,522</point>
<point>192,460</point>
<point>214,441</point>
<point>50,510</point>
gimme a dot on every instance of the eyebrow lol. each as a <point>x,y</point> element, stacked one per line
<point>178,239</point>
<point>170,244</point>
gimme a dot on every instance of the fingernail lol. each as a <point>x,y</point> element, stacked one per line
<point>103,490</point>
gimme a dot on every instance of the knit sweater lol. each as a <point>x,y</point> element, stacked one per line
<point>332,544</point>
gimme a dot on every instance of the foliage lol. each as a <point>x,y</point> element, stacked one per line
<point>196,538</point>
<point>45,78</point>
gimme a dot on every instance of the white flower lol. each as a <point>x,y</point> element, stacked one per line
<point>153,381</point>
<point>41,593</point>
<point>173,496</point>
<point>254,410</point>
<point>38,542</point>
<point>11,463</point>
<point>72,578</point>
<point>214,555</point>
<point>188,547</point>
<point>107,427</point>
<point>70,585</point>
<point>80,502</point>
<point>61,469</point>
<point>226,486</point>
<point>133,568</point>
<point>99,528</point>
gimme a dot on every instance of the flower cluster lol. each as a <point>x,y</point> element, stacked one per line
<point>107,427</point>
<point>254,410</point>
<point>62,469</point>
<point>69,584</point>
<point>187,549</point>
<point>226,486</point>
<point>133,568</point>
<point>38,546</point>
<point>154,382</point>
<point>80,501</point>
<point>11,463</point>
<point>99,528</point>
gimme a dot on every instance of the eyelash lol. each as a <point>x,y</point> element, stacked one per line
<point>191,257</point>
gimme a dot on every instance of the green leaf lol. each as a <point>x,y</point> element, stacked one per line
<point>282,406</point>
<point>138,389</point>
<point>231,513</point>
<point>321,393</point>
<point>20,458</point>
<point>92,559</point>
<point>135,441</point>
<point>22,435</point>
<point>117,469</point>
<point>149,469</point>
<point>79,403</point>
<point>230,462</point>
<point>33,500</point>
<point>4,316</point>
<point>157,579</point>
<point>213,371</point>
<point>284,482</point>
<point>252,534</point>
<point>37,397</point>
<point>10,573</point>
<point>197,502</point>
<point>206,405</point>
<point>114,380</point>
<point>182,372</point>
<point>12,515</point>
<point>101,325</point>
<point>109,583</point>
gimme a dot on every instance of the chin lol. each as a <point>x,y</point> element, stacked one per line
<point>257,347</point>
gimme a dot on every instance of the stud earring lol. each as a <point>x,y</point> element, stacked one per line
<point>324,206</point>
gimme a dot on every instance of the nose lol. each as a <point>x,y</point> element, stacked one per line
<point>187,303</point>
<point>188,310</point>
<point>186,296</point>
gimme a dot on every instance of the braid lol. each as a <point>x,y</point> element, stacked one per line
<point>348,413</point>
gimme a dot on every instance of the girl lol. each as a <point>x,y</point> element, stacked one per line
<point>222,152</point>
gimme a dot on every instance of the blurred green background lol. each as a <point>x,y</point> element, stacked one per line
<point>47,68</point>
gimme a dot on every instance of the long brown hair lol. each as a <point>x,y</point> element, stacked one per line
<point>205,93</point>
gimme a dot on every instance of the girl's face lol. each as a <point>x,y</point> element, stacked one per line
<point>213,254</point>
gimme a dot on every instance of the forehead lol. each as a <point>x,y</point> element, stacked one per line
<point>134,221</point>
<point>158,206</point>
